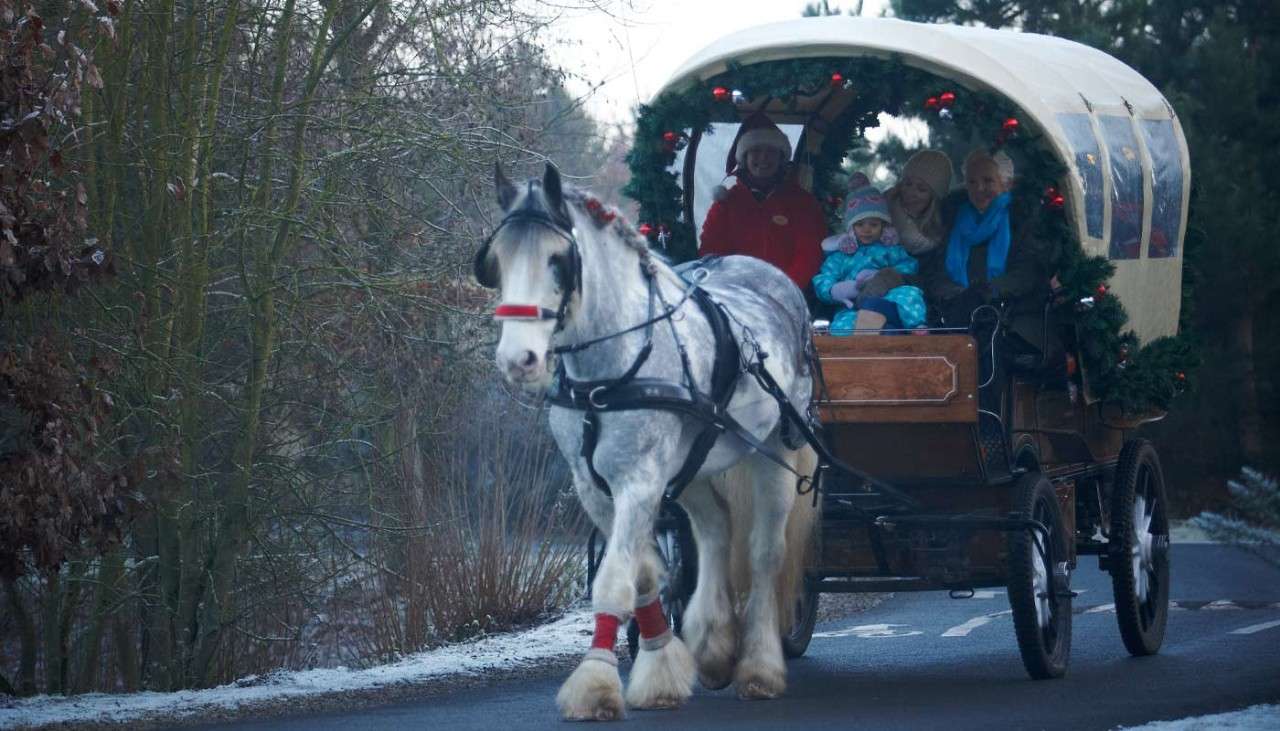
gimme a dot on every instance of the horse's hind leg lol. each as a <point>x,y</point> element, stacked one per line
<point>662,676</point>
<point>761,671</point>
<point>710,623</point>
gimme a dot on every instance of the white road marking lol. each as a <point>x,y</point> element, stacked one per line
<point>1256,628</point>
<point>870,631</point>
<point>1222,604</point>
<point>963,630</point>
<point>1100,609</point>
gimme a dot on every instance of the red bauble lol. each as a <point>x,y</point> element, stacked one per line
<point>1052,198</point>
<point>1181,376</point>
<point>931,103</point>
<point>1102,291</point>
<point>670,138</point>
<point>1010,125</point>
<point>721,94</point>
<point>947,98</point>
<point>837,80</point>
<point>645,229</point>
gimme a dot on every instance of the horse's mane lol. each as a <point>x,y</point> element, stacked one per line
<point>604,216</point>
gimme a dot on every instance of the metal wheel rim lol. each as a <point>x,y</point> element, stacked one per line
<point>1040,585</point>
<point>801,610</point>
<point>669,551</point>
<point>1144,545</point>
<point>1047,607</point>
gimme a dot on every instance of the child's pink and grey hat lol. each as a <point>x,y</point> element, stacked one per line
<point>863,203</point>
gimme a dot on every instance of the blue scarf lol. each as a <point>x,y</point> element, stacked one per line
<point>971,229</point>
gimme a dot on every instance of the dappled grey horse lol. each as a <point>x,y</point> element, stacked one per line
<point>578,280</point>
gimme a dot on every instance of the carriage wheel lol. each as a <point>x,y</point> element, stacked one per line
<point>679,556</point>
<point>1039,581</point>
<point>1139,549</point>
<point>796,640</point>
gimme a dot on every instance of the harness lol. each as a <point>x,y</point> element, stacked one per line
<point>630,392</point>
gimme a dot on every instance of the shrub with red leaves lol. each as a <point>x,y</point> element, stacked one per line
<point>42,200</point>
<point>56,495</point>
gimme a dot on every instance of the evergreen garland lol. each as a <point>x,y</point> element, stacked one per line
<point>1139,380</point>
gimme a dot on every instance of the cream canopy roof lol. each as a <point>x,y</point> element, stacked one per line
<point>1043,75</point>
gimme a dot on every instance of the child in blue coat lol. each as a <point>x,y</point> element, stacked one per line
<point>864,273</point>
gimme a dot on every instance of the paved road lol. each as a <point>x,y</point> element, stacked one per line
<point>923,661</point>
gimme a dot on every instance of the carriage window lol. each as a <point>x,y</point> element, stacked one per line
<point>1166,187</point>
<point>1084,146</point>
<point>1126,187</point>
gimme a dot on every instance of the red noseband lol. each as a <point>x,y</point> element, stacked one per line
<point>523,312</point>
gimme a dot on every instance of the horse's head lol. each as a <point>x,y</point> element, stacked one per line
<point>532,258</point>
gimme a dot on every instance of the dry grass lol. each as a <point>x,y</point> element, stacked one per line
<point>495,541</point>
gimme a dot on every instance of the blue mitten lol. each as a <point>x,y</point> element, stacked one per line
<point>845,292</point>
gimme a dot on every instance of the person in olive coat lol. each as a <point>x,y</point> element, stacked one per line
<point>991,253</point>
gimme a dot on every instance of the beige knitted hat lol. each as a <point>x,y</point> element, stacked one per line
<point>933,167</point>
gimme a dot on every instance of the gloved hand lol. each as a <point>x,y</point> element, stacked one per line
<point>845,292</point>
<point>880,284</point>
<point>958,309</point>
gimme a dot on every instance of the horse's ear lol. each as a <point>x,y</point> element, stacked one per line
<point>506,191</point>
<point>552,189</point>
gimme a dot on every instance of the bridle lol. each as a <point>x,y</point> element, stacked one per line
<point>507,311</point>
<point>573,283</point>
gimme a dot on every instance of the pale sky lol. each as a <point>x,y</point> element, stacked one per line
<point>636,48</point>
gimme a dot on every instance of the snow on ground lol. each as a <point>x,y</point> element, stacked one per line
<point>1254,718</point>
<point>563,637</point>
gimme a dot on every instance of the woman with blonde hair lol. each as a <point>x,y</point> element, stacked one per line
<point>915,203</point>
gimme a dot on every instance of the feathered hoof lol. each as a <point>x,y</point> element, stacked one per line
<point>661,678</point>
<point>756,683</point>
<point>593,691</point>
<point>716,653</point>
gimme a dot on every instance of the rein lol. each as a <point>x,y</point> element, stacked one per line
<point>627,392</point>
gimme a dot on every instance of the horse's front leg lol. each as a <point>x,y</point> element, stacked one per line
<point>662,676</point>
<point>594,690</point>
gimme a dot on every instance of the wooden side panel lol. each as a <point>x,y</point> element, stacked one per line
<point>906,453</point>
<point>895,379</point>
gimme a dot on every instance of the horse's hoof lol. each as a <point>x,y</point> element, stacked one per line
<point>760,684</point>
<point>592,692</point>
<point>716,653</point>
<point>715,678</point>
<point>661,678</point>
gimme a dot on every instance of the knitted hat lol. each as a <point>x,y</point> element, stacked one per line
<point>757,131</point>
<point>934,168</point>
<point>866,202</point>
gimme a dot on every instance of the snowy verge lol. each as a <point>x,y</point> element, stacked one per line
<point>563,637</point>
<point>1263,717</point>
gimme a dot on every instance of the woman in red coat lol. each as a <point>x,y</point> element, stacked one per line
<point>766,214</point>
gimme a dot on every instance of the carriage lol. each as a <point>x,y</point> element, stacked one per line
<point>957,480</point>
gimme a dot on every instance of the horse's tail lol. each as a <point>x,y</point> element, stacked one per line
<point>736,491</point>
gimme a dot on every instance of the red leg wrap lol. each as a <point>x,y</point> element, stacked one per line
<point>606,635</point>
<point>651,619</point>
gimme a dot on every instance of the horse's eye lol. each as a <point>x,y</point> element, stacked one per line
<point>562,270</point>
<point>486,269</point>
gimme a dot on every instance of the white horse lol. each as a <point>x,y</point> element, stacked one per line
<point>571,270</point>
